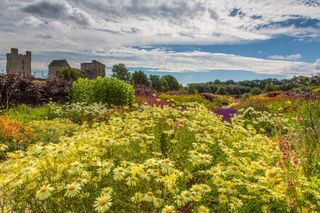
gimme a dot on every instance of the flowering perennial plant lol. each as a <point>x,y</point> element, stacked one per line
<point>158,160</point>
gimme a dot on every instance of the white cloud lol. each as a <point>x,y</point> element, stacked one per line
<point>145,22</point>
<point>293,57</point>
<point>317,65</point>
<point>58,9</point>
<point>29,21</point>
<point>196,61</point>
<point>113,26</point>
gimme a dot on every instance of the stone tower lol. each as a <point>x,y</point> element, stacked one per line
<point>19,64</point>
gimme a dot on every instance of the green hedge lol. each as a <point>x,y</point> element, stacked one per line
<point>110,91</point>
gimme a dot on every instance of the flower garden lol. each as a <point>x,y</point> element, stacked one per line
<point>104,152</point>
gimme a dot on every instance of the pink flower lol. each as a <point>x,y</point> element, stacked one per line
<point>295,161</point>
<point>292,202</point>
<point>284,155</point>
<point>299,118</point>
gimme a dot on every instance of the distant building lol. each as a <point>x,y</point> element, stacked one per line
<point>93,70</point>
<point>19,64</point>
<point>55,66</point>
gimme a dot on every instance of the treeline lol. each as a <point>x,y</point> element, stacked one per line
<point>140,80</point>
<point>254,87</point>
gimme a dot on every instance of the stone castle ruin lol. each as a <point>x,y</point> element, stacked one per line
<point>19,64</point>
<point>93,69</point>
<point>89,70</point>
<point>55,66</point>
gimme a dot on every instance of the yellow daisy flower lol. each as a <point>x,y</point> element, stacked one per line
<point>103,203</point>
<point>44,192</point>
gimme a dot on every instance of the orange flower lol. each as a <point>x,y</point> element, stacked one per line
<point>10,129</point>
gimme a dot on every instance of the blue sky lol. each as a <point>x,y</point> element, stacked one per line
<point>194,40</point>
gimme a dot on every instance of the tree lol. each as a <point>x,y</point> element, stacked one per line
<point>222,91</point>
<point>172,82</point>
<point>120,71</point>
<point>139,78</point>
<point>69,74</point>
<point>163,84</point>
<point>256,91</point>
<point>271,88</point>
<point>217,81</point>
<point>155,82</point>
<point>192,89</point>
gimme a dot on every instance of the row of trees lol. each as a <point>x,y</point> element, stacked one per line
<point>254,86</point>
<point>140,79</point>
<point>137,78</point>
<point>169,83</point>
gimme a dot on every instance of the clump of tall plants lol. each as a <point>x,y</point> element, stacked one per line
<point>109,91</point>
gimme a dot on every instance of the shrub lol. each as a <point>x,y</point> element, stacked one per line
<point>15,90</point>
<point>110,91</point>
<point>256,91</point>
<point>69,74</point>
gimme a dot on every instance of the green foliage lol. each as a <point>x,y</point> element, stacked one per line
<point>279,102</point>
<point>307,125</point>
<point>155,82</point>
<point>25,113</point>
<point>256,91</point>
<point>109,91</point>
<point>81,113</point>
<point>298,83</point>
<point>222,90</point>
<point>163,84</point>
<point>270,88</point>
<point>192,90</point>
<point>172,82</point>
<point>120,71</point>
<point>185,99</point>
<point>69,74</point>
<point>261,121</point>
<point>46,132</point>
<point>139,78</point>
<point>181,100</point>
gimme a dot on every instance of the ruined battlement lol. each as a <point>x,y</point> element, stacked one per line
<point>18,63</point>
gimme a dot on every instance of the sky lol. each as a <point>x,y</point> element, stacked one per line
<point>194,40</point>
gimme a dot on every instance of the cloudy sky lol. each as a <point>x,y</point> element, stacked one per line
<point>196,40</point>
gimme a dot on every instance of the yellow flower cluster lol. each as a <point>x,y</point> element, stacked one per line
<point>153,160</point>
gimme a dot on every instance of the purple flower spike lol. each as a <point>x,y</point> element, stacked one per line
<point>226,113</point>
